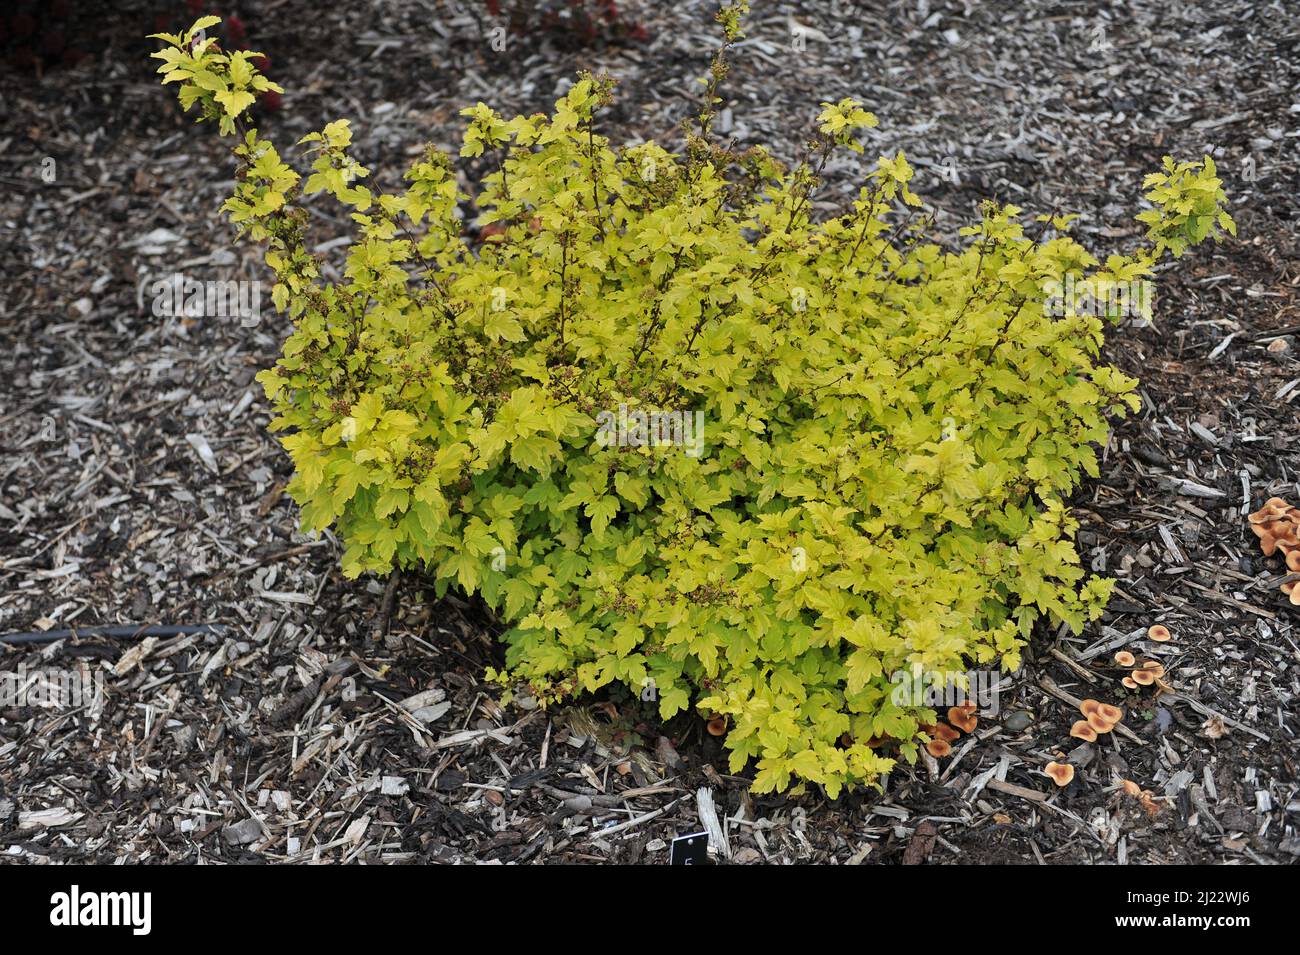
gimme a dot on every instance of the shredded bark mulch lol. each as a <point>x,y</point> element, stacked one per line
<point>340,721</point>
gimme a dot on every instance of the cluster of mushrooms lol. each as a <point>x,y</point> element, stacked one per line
<point>1100,718</point>
<point>961,719</point>
<point>1146,672</point>
<point>1277,525</point>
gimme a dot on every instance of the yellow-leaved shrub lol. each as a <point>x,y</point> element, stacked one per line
<point>679,433</point>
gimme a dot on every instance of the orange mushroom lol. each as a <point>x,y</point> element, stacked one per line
<point>1088,707</point>
<point>963,717</point>
<point>1159,633</point>
<point>1102,716</point>
<point>1061,773</point>
<point>1155,666</point>
<point>607,708</point>
<point>1277,532</point>
<point>938,748</point>
<point>1128,683</point>
<point>946,733</point>
<point>1111,714</point>
<point>1099,724</point>
<point>1125,659</point>
<point>1292,591</point>
<point>1268,544</point>
<point>1083,730</point>
<point>1293,559</point>
<point>1143,677</point>
<point>1130,787</point>
<point>717,726</point>
<point>493,232</point>
<point>1273,509</point>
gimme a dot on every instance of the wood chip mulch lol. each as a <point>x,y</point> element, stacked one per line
<point>327,723</point>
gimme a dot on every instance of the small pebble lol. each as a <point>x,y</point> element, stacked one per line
<point>1018,722</point>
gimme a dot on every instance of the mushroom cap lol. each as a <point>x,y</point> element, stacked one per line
<point>1088,707</point>
<point>717,726</point>
<point>1099,724</point>
<point>1143,677</point>
<point>1084,731</point>
<point>1155,666</point>
<point>1273,509</point>
<point>938,748</point>
<point>1111,714</point>
<point>1159,633</point>
<point>946,733</point>
<point>963,717</point>
<point>1128,682</point>
<point>1293,559</point>
<point>1130,787</point>
<point>1061,773</point>
<point>1125,659</point>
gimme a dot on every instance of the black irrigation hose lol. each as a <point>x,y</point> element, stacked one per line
<point>49,636</point>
